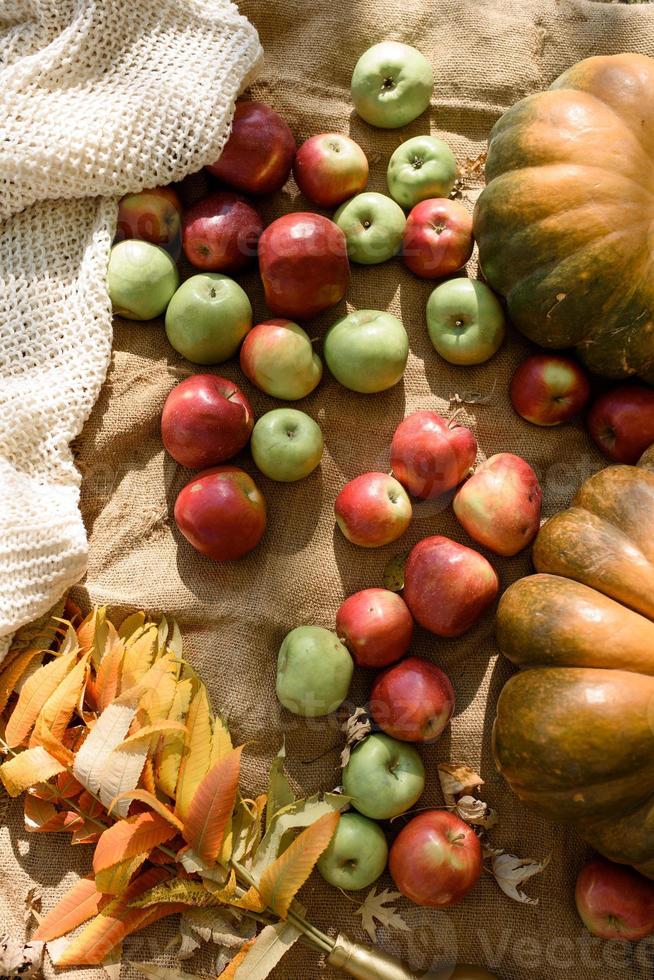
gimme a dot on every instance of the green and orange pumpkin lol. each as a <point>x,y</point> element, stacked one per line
<point>565,226</point>
<point>574,733</point>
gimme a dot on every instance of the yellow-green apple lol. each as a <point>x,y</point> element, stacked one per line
<point>373,225</point>
<point>314,670</point>
<point>420,168</point>
<point>391,84</point>
<point>621,422</point>
<point>615,902</point>
<point>447,586</point>
<point>372,510</point>
<point>221,513</point>
<point>207,318</point>
<point>153,216</point>
<point>383,777</point>
<point>465,320</point>
<point>367,350</point>
<point>220,232</point>
<point>141,279</point>
<point>356,855</point>
<point>303,264</point>
<point>258,155</point>
<point>437,238</point>
<point>436,859</point>
<point>286,444</point>
<point>278,357</point>
<point>412,701</point>
<point>430,455</point>
<point>376,627</point>
<point>499,506</point>
<point>205,421</point>
<point>329,168</point>
<point>548,389</point>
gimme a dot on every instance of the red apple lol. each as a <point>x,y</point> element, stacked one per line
<point>548,389</point>
<point>206,420</point>
<point>330,168</point>
<point>436,859</point>
<point>437,238</point>
<point>429,455</point>
<point>372,510</point>
<point>303,263</point>
<point>258,155</point>
<point>447,586</point>
<point>221,513</point>
<point>621,422</point>
<point>412,701</point>
<point>376,627</point>
<point>499,506</point>
<point>152,216</point>
<point>220,232</point>
<point>615,902</point>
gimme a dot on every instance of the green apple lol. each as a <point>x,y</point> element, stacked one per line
<point>314,670</point>
<point>421,168</point>
<point>466,321</point>
<point>286,444</point>
<point>141,279</point>
<point>391,84</point>
<point>357,853</point>
<point>207,318</point>
<point>384,777</point>
<point>367,350</point>
<point>373,225</point>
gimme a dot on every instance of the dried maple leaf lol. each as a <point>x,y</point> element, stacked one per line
<point>373,909</point>
<point>356,728</point>
<point>20,959</point>
<point>457,779</point>
<point>510,872</point>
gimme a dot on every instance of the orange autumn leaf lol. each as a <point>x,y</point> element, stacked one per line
<point>44,737</point>
<point>78,905</point>
<point>12,673</point>
<point>27,769</point>
<point>230,970</point>
<point>107,678</point>
<point>42,817</point>
<point>143,796</point>
<point>146,781</point>
<point>34,694</point>
<point>58,709</point>
<point>196,753</point>
<point>123,848</point>
<point>281,880</point>
<point>212,807</point>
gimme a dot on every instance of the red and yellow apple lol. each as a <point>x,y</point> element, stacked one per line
<point>615,902</point>
<point>372,510</point>
<point>430,455</point>
<point>548,389</point>
<point>258,155</point>
<point>278,357</point>
<point>499,506</point>
<point>220,232</point>
<point>221,513</point>
<point>436,859</point>
<point>447,586</point>
<point>621,422</point>
<point>206,420</point>
<point>412,701</point>
<point>329,168</point>
<point>153,216</point>
<point>376,627</point>
<point>437,238</point>
<point>303,264</point>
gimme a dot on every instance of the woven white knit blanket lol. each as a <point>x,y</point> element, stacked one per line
<point>97,98</point>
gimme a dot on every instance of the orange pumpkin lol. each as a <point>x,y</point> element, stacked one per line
<point>574,733</point>
<point>565,225</point>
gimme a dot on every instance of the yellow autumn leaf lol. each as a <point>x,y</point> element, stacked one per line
<point>164,725</point>
<point>12,673</point>
<point>183,890</point>
<point>139,657</point>
<point>131,624</point>
<point>143,796</point>
<point>168,755</point>
<point>221,741</point>
<point>281,880</point>
<point>40,686</point>
<point>211,808</point>
<point>123,848</point>
<point>196,754</point>
<point>27,769</point>
<point>58,709</point>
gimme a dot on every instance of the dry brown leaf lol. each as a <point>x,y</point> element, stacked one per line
<point>393,576</point>
<point>356,728</point>
<point>373,911</point>
<point>457,779</point>
<point>510,872</point>
<point>476,812</point>
<point>19,958</point>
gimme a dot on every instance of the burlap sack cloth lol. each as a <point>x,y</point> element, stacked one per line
<point>486,55</point>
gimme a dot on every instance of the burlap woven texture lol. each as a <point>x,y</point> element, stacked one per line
<point>486,55</point>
